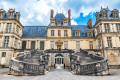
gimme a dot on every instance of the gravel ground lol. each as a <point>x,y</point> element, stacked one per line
<point>60,74</point>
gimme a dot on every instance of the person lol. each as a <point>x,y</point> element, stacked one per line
<point>54,65</point>
<point>64,66</point>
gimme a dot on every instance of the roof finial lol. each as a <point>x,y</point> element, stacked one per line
<point>57,11</point>
<point>107,6</point>
<point>101,7</point>
<point>60,9</point>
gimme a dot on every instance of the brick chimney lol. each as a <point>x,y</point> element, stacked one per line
<point>69,16</point>
<point>89,23</point>
<point>51,15</point>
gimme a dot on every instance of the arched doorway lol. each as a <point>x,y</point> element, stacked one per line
<point>59,59</point>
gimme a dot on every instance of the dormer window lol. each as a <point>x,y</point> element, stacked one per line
<point>52,23</point>
<point>104,14</point>
<point>58,23</point>
<point>11,13</point>
<point>2,13</point>
<point>115,13</point>
<point>77,33</point>
<point>65,23</point>
<point>89,33</point>
<point>83,34</point>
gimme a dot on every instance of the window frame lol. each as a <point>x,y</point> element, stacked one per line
<point>6,41</point>
<point>3,54</point>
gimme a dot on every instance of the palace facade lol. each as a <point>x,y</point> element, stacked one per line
<point>103,38</point>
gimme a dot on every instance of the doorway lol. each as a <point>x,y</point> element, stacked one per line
<point>59,59</point>
<point>58,47</point>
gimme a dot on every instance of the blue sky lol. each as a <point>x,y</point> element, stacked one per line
<point>37,12</point>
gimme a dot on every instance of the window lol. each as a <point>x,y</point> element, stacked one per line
<point>8,28</point>
<point>99,43</point>
<point>77,46</point>
<point>65,23</point>
<point>83,34</point>
<point>59,33</point>
<point>6,41</point>
<point>77,32</point>
<point>41,45</point>
<point>32,44</point>
<point>98,30</point>
<point>3,54</point>
<point>91,44</point>
<point>15,42</point>
<point>0,25</point>
<point>107,28</point>
<point>109,42</point>
<point>52,44</point>
<point>24,45</point>
<point>52,23</point>
<point>66,45</point>
<point>65,33</point>
<point>118,28</point>
<point>52,32</point>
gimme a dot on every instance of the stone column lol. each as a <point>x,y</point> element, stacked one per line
<point>13,41</point>
<point>105,42</point>
<point>2,41</point>
<point>36,44</point>
<point>12,27</point>
<point>114,28</point>
<point>111,27</point>
<point>9,44</point>
<point>27,44</point>
<point>103,28</point>
<point>15,28</point>
<point>4,28</point>
<point>113,41</point>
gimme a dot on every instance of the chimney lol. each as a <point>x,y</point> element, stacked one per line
<point>69,16</point>
<point>51,15</point>
<point>89,23</point>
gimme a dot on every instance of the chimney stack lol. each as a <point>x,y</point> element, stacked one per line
<point>69,16</point>
<point>89,23</point>
<point>52,11</point>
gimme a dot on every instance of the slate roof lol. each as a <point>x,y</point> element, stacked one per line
<point>59,18</point>
<point>41,31</point>
<point>83,31</point>
<point>109,13</point>
<point>35,31</point>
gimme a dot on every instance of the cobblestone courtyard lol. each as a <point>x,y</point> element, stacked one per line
<point>60,74</point>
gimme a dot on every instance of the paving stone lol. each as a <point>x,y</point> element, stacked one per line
<point>60,74</point>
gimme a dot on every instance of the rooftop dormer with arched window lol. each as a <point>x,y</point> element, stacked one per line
<point>115,14</point>
<point>2,13</point>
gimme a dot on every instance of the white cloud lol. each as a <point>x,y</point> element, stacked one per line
<point>39,18</point>
<point>39,11</point>
<point>63,0</point>
<point>73,22</point>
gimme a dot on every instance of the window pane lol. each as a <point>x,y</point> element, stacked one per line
<point>66,45</point>
<point>3,54</point>
<point>41,45</point>
<point>32,44</point>
<point>52,44</point>
<point>24,45</point>
<point>6,41</point>
<point>77,45</point>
